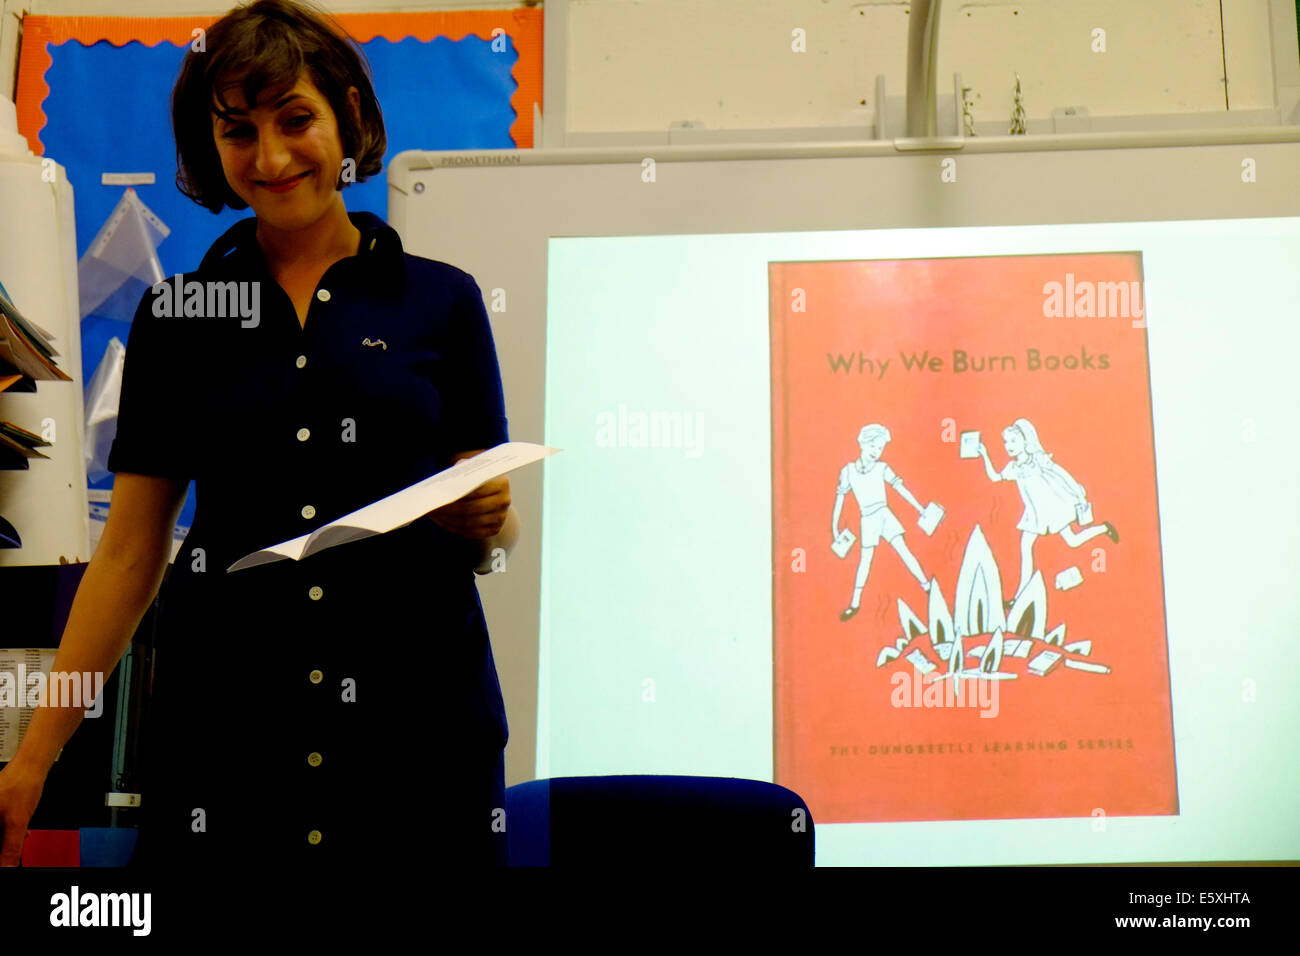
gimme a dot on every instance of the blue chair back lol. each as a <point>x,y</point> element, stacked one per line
<point>603,820</point>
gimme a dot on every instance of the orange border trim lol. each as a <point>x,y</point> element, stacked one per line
<point>523,26</point>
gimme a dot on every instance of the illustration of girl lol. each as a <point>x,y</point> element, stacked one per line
<point>866,478</point>
<point>1052,497</point>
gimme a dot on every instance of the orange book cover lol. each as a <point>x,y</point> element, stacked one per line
<point>969,617</point>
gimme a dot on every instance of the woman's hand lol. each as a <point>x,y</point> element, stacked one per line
<point>20,791</point>
<point>480,514</point>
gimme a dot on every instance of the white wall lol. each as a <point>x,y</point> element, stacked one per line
<point>643,64</point>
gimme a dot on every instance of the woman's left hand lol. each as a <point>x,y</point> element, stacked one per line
<point>480,514</point>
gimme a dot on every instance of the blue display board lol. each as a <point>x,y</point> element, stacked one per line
<point>108,110</point>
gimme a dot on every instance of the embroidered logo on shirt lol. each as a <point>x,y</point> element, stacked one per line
<point>367,341</point>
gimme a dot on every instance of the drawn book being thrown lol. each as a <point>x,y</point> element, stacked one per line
<point>403,507</point>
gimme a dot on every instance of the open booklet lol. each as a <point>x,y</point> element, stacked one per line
<point>405,506</point>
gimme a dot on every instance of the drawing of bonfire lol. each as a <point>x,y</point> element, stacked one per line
<point>981,639</point>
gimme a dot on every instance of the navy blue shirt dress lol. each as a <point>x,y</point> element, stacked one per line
<point>344,708</point>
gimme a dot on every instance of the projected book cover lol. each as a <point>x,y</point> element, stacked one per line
<point>969,617</point>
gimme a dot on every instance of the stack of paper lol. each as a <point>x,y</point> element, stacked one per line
<point>26,356</point>
<point>25,349</point>
<point>17,445</point>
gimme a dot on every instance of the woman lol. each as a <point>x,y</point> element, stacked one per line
<point>1052,497</point>
<point>299,711</point>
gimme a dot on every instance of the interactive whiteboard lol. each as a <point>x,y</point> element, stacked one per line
<point>953,490</point>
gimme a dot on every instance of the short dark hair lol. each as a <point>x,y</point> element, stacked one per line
<point>266,47</point>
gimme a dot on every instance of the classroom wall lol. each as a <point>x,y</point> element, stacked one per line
<point>643,64</point>
<point>732,62</point>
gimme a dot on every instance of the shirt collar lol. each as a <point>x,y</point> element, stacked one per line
<point>380,253</point>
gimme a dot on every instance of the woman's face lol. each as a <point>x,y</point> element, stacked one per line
<point>283,158</point>
<point>1014,441</point>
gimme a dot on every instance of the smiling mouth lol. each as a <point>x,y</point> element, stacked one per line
<point>282,182</point>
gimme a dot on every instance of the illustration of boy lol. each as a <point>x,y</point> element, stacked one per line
<point>866,477</point>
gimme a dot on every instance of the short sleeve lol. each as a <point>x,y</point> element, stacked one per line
<point>152,436</point>
<point>474,409</point>
<point>843,487</point>
<point>890,476</point>
<point>1009,473</point>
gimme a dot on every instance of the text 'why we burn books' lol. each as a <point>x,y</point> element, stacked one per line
<point>405,506</point>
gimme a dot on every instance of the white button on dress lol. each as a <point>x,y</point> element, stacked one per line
<point>308,511</point>
<point>301,361</point>
<point>315,593</point>
<point>323,294</point>
<point>303,434</point>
